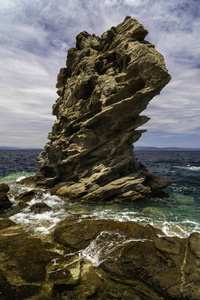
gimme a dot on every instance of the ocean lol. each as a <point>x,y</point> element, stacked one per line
<point>178,214</point>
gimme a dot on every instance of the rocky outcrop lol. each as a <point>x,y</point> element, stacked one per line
<point>23,199</point>
<point>98,259</point>
<point>141,260</point>
<point>23,263</point>
<point>5,203</point>
<point>107,83</point>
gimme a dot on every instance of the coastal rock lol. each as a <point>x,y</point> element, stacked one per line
<point>5,203</point>
<point>106,84</point>
<point>98,259</point>
<point>23,199</point>
<point>167,264</point>
<point>142,258</point>
<point>40,207</point>
<point>23,264</point>
<point>78,235</point>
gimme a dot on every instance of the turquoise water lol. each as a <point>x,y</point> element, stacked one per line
<point>15,177</point>
<point>176,215</point>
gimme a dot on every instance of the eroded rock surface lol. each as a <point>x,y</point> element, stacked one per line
<point>107,82</point>
<point>98,259</point>
<point>141,261</point>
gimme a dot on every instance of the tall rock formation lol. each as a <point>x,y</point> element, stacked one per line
<point>108,81</point>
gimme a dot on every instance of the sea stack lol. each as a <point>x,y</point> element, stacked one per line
<point>106,84</point>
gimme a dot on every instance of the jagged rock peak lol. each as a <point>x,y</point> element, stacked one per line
<point>107,82</point>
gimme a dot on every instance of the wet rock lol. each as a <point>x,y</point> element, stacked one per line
<point>4,223</point>
<point>23,264</point>
<point>150,212</point>
<point>153,266</point>
<point>4,188</point>
<point>162,264</point>
<point>77,235</point>
<point>7,291</point>
<point>5,203</point>
<point>65,271</point>
<point>26,291</point>
<point>98,259</point>
<point>40,207</point>
<point>91,143</point>
<point>37,180</point>
<point>25,197</point>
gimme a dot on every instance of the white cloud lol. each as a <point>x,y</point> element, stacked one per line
<point>35,36</point>
<point>134,2</point>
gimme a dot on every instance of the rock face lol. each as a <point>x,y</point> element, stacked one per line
<point>108,81</point>
<point>98,259</point>
<point>140,260</point>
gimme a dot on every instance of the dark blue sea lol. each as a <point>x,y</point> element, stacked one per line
<point>178,214</point>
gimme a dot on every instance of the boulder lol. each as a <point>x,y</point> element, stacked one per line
<point>106,84</point>
<point>77,235</point>
<point>40,207</point>
<point>4,188</point>
<point>6,223</point>
<point>23,199</point>
<point>5,203</point>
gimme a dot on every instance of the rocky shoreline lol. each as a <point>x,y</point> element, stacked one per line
<point>87,258</point>
<point>97,259</point>
<point>107,82</point>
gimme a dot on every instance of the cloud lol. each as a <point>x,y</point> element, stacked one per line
<point>35,36</point>
<point>177,108</point>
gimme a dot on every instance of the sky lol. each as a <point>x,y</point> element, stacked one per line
<point>35,36</point>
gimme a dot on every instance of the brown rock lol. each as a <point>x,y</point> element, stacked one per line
<point>5,203</point>
<point>78,235</point>
<point>164,264</point>
<point>4,188</point>
<point>32,272</point>
<point>134,262</point>
<point>6,223</point>
<point>107,83</point>
<point>152,266</point>
<point>7,292</point>
<point>25,197</point>
<point>26,291</point>
<point>23,264</point>
<point>40,207</point>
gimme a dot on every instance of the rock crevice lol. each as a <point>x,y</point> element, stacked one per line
<point>107,82</point>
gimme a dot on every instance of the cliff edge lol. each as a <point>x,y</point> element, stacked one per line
<point>107,82</point>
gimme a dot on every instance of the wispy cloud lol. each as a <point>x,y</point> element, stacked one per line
<point>35,36</point>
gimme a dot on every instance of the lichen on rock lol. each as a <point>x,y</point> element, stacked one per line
<point>106,84</point>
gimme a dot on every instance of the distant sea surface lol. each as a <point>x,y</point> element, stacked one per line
<point>17,163</point>
<point>179,214</point>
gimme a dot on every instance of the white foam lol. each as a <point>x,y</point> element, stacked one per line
<point>171,228</point>
<point>190,168</point>
<point>45,222</point>
<point>40,223</point>
<point>99,249</point>
<point>104,244</point>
